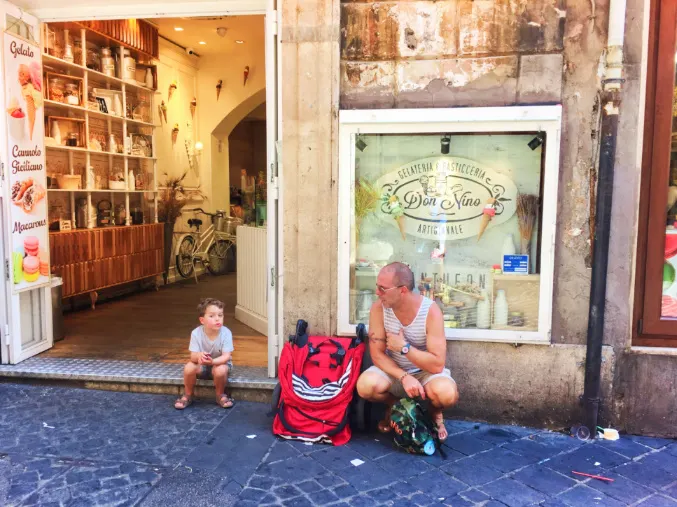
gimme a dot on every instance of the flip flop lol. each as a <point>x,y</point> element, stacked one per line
<point>225,401</point>
<point>439,422</point>
<point>183,402</point>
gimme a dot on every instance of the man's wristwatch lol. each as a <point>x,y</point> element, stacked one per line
<point>405,349</point>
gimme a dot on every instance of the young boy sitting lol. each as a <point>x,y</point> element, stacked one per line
<point>211,346</point>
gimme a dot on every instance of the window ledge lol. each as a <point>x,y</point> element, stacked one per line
<point>653,351</point>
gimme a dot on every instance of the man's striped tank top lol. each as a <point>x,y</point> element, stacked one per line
<point>414,333</point>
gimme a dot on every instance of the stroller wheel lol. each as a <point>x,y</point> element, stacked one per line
<point>277,392</point>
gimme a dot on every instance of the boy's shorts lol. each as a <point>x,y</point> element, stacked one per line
<point>423,377</point>
<point>205,372</point>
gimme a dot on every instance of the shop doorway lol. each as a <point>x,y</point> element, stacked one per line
<point>194,89</point>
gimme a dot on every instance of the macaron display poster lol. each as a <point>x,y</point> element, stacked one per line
<point>27,173</point>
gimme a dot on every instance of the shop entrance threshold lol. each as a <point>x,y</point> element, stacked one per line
<point>247,382</point>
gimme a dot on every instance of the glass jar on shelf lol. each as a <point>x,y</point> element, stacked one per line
<point>57,89</point>
<point>107,62</point>
<point>72,140</point>
<point>93,60</point>
<point>141,112</point>
<point>72,94</point>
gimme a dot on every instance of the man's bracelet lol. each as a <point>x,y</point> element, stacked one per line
<point>404,375</point>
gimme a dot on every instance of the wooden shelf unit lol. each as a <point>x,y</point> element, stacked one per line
<point>127,89</point>
<point>89,260</point>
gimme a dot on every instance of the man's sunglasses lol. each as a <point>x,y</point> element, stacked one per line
<point>384,289</point>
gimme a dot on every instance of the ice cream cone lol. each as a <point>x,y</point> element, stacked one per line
<point>175,133</point>
<point>246,75</point>
<point>30,109</point>
<point>487,214</point>
<point>218,89</point>
<point>401,224</point>
<point>483,225</point>
<point>193,106</point>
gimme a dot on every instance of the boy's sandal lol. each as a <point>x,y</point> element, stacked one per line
<point>183,402</point>
<point>225,401</point>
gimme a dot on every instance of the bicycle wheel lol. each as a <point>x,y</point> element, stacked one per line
<point>218,255</point>
<point>184,259</point>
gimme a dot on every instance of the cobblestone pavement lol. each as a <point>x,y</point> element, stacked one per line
<point>71,447</point>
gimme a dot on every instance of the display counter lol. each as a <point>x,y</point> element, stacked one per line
<point>89,260</point>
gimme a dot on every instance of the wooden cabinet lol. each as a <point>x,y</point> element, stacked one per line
<point>93,259</point>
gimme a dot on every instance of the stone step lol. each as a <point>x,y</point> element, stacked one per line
<point>245,382</point>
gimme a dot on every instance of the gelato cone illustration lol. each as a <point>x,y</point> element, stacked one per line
<point>175,133</point>
<point>246,74</point>
<point>193,106</point>
<point>16,120</point>
<point>163,111</point>
<point>30,109</point>
<point>487,214</point>
<point>397,213</point>
<point>30,78</point>
<point>172,89</point>
<point>219,85</point>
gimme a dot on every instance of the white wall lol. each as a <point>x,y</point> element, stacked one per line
<point>218,118</point>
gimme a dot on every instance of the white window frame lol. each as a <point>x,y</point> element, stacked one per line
<point>546,119</point>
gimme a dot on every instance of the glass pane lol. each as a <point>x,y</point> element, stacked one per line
<point>463,211</point>
<point>19,27</point>
<point>669,305</point>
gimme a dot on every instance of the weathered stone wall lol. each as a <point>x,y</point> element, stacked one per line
<point>449,53</point>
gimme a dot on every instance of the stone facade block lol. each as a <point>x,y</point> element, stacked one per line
<point>504,26</point>
<point>427,29</point>
<point>540,79</point>
<point>367,85</point>
<point>368,31</point>
<point>457,82</point>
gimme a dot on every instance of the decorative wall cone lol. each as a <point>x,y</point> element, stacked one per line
<point>218,89</point>
<point>401,224</point>
<point>193,106</point>
<point>163,111</point>
<point>175,133</point>
<point>172,89</point>
<point>246,74</point>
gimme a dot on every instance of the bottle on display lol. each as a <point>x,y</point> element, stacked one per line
<point>149,78</point>
<point>131,184</point>
<point>509,246</point>
<point>484,312</point>
<point>500,309</point>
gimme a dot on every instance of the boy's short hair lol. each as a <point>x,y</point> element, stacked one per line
<point>206,303</point>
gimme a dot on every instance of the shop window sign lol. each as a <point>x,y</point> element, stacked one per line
<point>465,211</point>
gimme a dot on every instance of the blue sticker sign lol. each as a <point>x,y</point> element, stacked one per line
<point>516,264</point>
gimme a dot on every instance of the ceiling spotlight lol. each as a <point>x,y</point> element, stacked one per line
<point>221,31</point>
<point>202,43</point>
<point>445,143</point>
<point>536,141</point>
<point>239,42</point>
<point>178,29</point>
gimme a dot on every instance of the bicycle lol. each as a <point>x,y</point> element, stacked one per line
<point>210,247</point>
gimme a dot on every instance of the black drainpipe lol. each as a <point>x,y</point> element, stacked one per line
<point>600,257</point>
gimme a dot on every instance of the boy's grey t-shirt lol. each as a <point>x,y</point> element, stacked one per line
<point>200,342</point>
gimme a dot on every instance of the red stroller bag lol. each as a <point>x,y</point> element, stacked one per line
<point>317,382</point>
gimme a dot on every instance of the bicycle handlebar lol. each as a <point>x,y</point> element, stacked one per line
<point>200,210</point>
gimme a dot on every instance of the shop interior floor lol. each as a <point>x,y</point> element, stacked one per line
<point>156,325</point>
